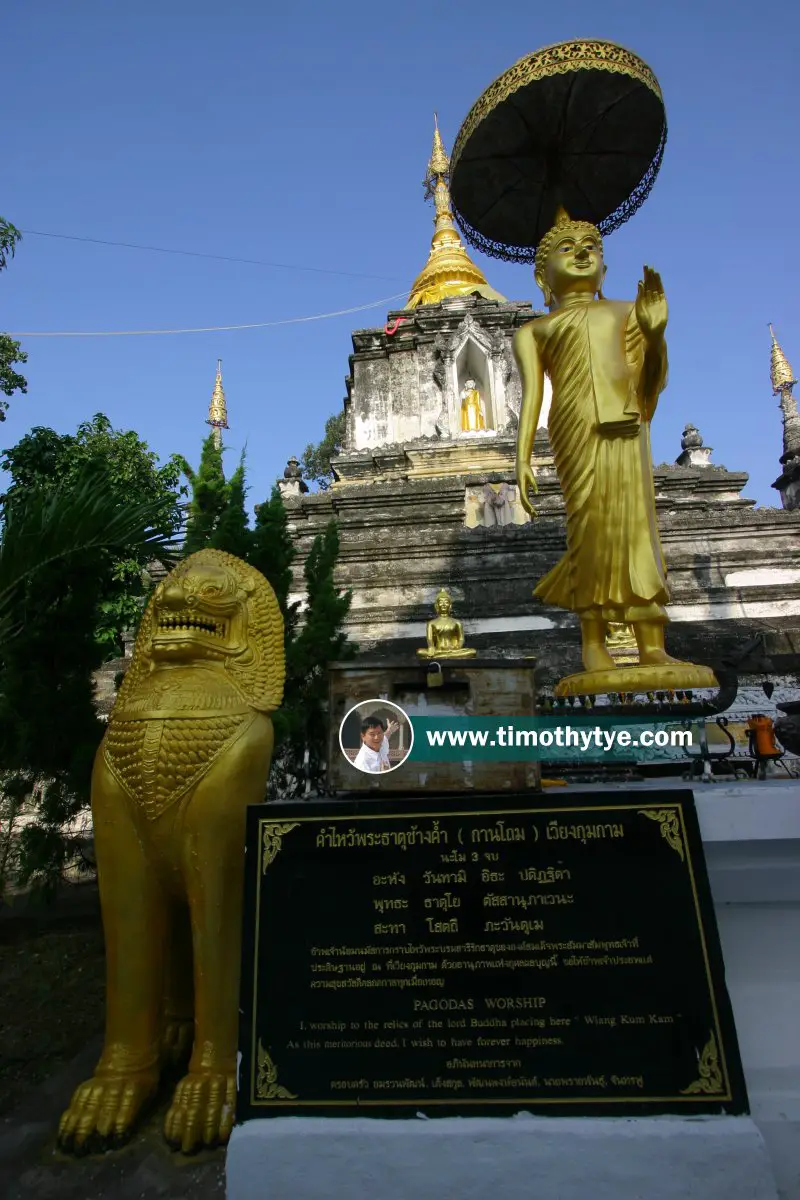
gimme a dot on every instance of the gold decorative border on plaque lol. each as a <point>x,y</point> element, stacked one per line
<point>710,1080</point>
<point>670,828</point>
<point>267,1086</point>
<point>272,842</point>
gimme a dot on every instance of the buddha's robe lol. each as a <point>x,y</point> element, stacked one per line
<point>471,416</point>
<point>599,432</point>
<point>445,634</point>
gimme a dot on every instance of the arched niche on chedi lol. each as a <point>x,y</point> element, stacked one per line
<point>471,354</point>
<point>474,375</point>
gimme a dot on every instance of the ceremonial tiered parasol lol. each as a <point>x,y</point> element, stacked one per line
<point>580,124</point>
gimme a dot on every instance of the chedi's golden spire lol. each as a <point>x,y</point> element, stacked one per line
<point>780,372</point>
<point>449,270</point>
<point>218,409</point>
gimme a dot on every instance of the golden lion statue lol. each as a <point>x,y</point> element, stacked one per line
<point>187,749</point>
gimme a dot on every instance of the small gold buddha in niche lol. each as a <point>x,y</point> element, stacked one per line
<point>445,634</point>
<point>472,419</point>
<point>607,363</point>
<point>621,642</point>
<point>620,636</point>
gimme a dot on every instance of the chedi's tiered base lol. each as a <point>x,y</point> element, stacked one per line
<point>660,677</point>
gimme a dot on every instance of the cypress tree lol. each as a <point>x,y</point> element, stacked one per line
<point>233,533</point>
<point>320,642</point>
<point>272,552</point>
<point>209,496</point>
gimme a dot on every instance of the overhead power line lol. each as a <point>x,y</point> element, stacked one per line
<point>253,262</point>
<point>342,312</point>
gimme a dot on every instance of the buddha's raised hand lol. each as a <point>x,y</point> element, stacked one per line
<point>651,306</point>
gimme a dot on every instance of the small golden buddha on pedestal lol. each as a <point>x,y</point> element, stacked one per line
<point>445,634</point>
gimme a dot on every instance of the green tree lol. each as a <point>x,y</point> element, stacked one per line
<point>321,639</point>
<point>44,460</point>
<point>209,496</point>
<point>272,552</point>
<point>302,723</point>
<point>55,544</point>
<point>10,352</point>
<point>316,460</point>
<point>233,527</point>
<point>10,236</point>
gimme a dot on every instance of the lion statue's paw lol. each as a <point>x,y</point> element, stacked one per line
<point>103,1112</point>
<point>177,1038</point>
<point>202,1111</point>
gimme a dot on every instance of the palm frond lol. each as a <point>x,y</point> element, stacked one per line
<point>66,523</point>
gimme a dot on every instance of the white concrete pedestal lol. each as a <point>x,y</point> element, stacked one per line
<point>751,838</point>
<point>516,1158</point>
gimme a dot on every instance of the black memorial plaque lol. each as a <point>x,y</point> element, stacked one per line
<point>483,957</point>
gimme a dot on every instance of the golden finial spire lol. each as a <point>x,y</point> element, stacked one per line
<point>780,372</point>
<point>449,270</point>
<point>783,381</point>
<point>439,162</point>
<point>218,409</point>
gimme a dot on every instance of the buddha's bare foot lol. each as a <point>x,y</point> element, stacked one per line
<point>177,1040</point>
<point>202,1111</point>
<point>650,641</point>
<point>104,1110</point>
<point>597,658</point>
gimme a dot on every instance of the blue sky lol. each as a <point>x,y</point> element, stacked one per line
<point>299,134</point>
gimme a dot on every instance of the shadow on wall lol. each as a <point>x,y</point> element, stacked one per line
<point>706,572</point>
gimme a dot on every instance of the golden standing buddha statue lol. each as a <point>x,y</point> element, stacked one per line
<point>607,362</point>
<point>445,634</point>
<point>472,419</point>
